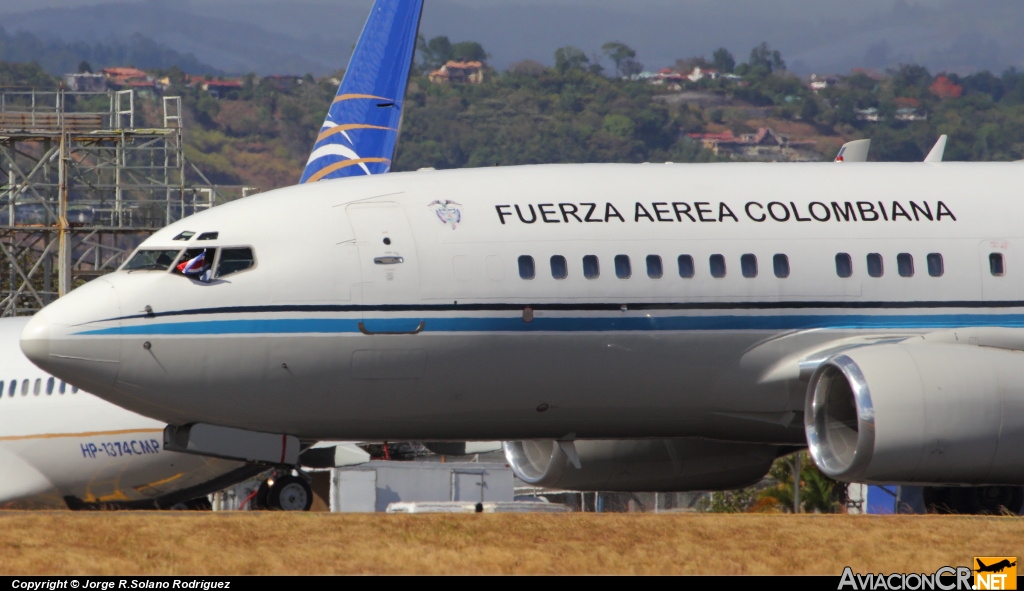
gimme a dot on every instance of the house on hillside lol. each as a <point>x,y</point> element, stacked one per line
<point>459,73</point>
<point>221,88</point>
<point>120,78</point>
<point>147,89</point>
<point>85,82</point>
<point>282,82</point>
<point>869,114</point>
<point>699,74</point>
<point>910,114</point>
<point>669,75</point>
<point>821,83</point>
<point>906,110</point>
<point>763,146</point>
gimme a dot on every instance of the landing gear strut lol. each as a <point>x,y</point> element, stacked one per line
<point>284,491</point>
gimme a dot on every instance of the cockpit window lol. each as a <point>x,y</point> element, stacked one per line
<point>151,260</point>
<point>235,260</point>
<point>185,236</point>
<point>209,236</point>
<point>196,263</point>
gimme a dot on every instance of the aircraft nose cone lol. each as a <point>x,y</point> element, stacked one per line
<point>35,339</point>
<point>77,338</point>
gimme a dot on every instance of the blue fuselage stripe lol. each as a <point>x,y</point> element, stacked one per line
<point>564,324</point>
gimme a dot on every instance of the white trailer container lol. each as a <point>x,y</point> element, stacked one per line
<point>371,487</point>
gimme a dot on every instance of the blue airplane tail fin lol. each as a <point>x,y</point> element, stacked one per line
<point>361,131</point>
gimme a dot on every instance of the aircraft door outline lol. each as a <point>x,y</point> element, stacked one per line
<point>388,268</point>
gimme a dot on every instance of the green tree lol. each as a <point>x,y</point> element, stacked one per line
<point>818,493</point>
<point>910,80</point>
<point>619,125</point>
<point>809,109</point>
<point>764,58</point>
<point>435,53</point>
<point>619,53</point>
<point>723,61</point>
<point>570,58</point>
<point>469,51</point>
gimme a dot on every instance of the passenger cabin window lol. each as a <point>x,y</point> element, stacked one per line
<point>654,268</point>
<point>844,265</point>
<point>63,387</point>
<point>905,264</point>
<point>748,265</point>
<point>623,268</point>
<point>996,264</point>
<point>875,268</point>
<point>151,260</point>
<point>559,267</point>
<point>781,264</point>
<point>74,389</point>
<point>591,267</point>
<point>49,386</point>
<point>686,267</point>
<point>717,262</point>
<point>24,387</point>
<point>527,269</point>
<point>936,267</point>
<point>1,389</point>
<point>12,388</point>
<point>235,260</point>
<point>38,387</point>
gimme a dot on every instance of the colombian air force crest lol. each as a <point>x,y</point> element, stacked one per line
<point>448,212</point>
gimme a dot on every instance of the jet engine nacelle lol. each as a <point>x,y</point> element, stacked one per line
<point>919,413</point>
<point>642,465</point>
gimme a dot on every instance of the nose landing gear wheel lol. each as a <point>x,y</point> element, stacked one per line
<point>290,493</point>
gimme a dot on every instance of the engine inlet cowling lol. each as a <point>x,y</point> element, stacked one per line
<point>839,419</point>
<point>918,413</point>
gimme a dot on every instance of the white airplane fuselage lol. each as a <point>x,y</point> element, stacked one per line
<point>396,307</point>
<point>61,445</point>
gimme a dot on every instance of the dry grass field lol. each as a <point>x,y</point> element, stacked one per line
<point>317,543</point>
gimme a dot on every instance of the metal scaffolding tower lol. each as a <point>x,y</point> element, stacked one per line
<point>81,187</point>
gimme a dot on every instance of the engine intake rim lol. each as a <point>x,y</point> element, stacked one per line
<point>839,419</point>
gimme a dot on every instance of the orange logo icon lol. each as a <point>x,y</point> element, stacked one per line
<point>995,572</point>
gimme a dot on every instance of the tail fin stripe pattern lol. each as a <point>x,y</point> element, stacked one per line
<point>344,128</point>
<point>341,165</point>
<point>360,134</point>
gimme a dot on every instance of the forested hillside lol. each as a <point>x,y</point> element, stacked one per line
<point>261,134</point>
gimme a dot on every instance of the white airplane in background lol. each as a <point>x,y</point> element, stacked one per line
<point>60,446</point>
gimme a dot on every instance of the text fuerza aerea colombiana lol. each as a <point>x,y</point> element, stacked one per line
<point>722,212</point>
